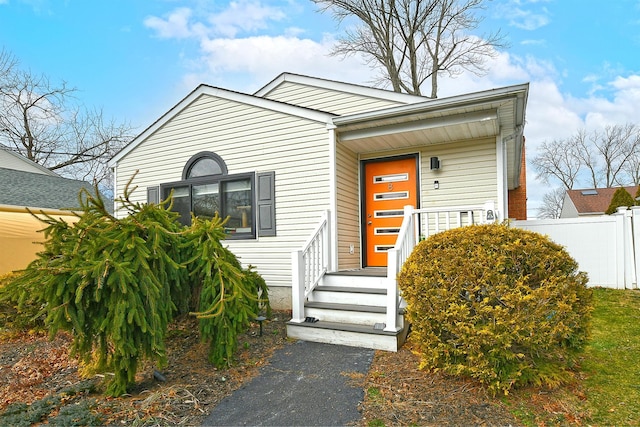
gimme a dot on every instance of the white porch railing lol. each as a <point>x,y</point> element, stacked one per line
<point>311,262</point>
<point>418,224</point>
<point>308,266</point>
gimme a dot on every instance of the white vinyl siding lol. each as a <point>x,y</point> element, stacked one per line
<point>327,100</point>
<point>348,207</point>
<point>249,139</point>
<point>16,162</point>
<point>467,175</point>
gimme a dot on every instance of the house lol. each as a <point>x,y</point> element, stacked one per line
<point>318,178</point>
<point>588,202</point>
<point>24,186</point>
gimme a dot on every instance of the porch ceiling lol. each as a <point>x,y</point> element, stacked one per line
<point>419,131</point>
<point>418,128</point>
<point>487,114</point>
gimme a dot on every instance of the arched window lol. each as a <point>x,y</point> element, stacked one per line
<point>202,164</point>
<point>207,188</point>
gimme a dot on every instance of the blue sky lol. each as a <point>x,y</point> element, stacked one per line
<point>137,58</point>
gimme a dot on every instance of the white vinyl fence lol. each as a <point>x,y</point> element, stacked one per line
<point>606,247</point>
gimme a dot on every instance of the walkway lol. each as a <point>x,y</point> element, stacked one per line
<point>305,384</point>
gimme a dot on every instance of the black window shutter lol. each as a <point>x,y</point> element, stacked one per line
<point>266,203</point>
<point>153,195</point>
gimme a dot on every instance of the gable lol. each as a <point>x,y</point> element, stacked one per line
<point>331,96</point>
<point>239,101</point>
<point>15,161</point>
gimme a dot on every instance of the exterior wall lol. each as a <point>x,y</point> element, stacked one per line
<point>12,161</point>
<point>348,207</point>
<point>518,196</point>
<point>467,176</point>
<point>568,208</point>
<point>249,139</point>
<point>327,100</point>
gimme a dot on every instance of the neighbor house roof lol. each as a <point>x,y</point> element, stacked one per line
<point>36,190</point>
<point>590,201</point>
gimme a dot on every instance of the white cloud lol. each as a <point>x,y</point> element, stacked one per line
<point>244,16</point>
<point>527,20</point>
<point>264,57</point>
<point>176,25</point>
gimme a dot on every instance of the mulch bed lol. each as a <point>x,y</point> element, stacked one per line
<point>396,392</point>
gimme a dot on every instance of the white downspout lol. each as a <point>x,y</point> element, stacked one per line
<point>501,166</point>
<point>333,197</point>
<point>115,190</point>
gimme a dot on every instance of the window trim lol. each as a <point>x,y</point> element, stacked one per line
<point>204,155</point>
<point>165,189</point>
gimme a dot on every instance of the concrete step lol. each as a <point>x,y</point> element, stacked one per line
<point>350,280</point>
<point>347,334</point>
<point>349,295</point>
<point>346,313</point>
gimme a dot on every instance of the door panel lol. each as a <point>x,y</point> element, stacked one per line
<point>388,186</point>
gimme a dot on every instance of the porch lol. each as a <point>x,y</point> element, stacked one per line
<point>363,307</point>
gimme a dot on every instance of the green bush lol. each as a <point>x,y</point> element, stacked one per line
<point>116,283</point>
<point>500,304</point>
<point>20,308</point>
<point>621,197</point>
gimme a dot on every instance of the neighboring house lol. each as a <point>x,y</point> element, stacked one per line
<point>590,201</point>
<point>39,191</point>
<point>25,185</point>
<point>9,159</point>
<point>308,160</point>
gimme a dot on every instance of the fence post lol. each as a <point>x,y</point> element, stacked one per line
<point>635,238</point>
<point>297,287</point>
<point>620,247</point>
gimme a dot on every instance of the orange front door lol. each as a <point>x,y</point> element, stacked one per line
<point>389,186</point>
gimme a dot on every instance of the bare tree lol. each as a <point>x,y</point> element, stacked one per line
<point>614,148</point>
<point>414,41</point>
<point>45,123</point>
<point>558,159</point>
<point>632,168</point>
<point>552,204</point>
<point>600,158</point>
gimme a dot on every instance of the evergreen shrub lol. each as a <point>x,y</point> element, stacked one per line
<point>500,304</point>
<point>116,283</point>
<point>620,198</point>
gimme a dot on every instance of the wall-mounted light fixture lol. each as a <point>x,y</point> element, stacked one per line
<point>435,163</point>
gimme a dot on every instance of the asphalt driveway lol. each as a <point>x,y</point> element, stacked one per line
<point>305,384</point>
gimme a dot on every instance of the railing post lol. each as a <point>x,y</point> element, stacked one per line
<point>392,291</point>
<point>297,287</point>
<point>327,262</point>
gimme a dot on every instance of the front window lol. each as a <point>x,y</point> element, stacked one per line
<point>206,188</point>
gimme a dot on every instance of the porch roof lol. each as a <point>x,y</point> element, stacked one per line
<point>438,121</point>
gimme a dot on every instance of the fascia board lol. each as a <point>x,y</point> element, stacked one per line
<point>419,125</point>
<point>243,98</point>
<point>440,104</point>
